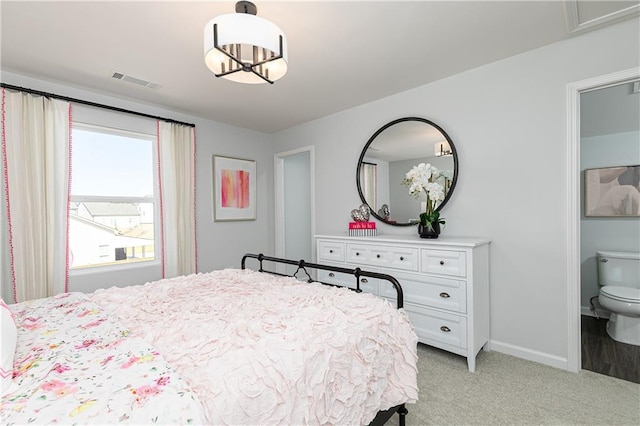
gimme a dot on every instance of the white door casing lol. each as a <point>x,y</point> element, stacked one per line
<point>574,356</point>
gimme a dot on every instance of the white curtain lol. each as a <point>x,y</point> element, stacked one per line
<point>36,169</point>
<point>369,183</point>
<point>176,149</point>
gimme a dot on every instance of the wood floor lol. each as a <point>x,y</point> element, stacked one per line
<point>602,354</point>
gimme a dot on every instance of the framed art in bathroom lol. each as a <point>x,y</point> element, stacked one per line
<point>234,189</point>
<point>612,191</point>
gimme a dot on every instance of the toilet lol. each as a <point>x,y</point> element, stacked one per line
<point>619,276</point>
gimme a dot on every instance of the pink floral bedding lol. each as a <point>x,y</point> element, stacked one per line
<point>263,349</point>
<point>75,365</point>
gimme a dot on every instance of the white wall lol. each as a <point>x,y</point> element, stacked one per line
<point>508,122</point>
<point>606,233</point>
<point>220,244</point>
<point>297,206</point>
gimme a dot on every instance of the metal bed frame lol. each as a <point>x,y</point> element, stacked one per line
<point>383,416</point>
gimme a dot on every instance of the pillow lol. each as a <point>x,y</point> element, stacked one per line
<point>8,348</point>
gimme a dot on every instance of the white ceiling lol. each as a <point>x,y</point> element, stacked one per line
<point>341,54</point>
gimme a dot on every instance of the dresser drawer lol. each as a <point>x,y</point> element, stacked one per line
<point>445,262</point>
<point>445,283</point>
<point>433,326</point>
<point>383,257</point>
<point>331,251</point>
<point>369,285</point>
<point>434,292</point>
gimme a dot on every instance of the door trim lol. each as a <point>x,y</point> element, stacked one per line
<point>574,341</point>
<point>279,197</point>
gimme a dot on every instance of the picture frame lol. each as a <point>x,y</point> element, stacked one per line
<point>234,188</point>
<point>612,191</point>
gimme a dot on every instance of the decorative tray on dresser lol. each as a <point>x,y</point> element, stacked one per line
<point>445,283</point>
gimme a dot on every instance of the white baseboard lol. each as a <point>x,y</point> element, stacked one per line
<point>541,357</point>
<point>529,354</point>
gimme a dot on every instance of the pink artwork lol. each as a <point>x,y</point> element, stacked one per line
<point>234,188</point>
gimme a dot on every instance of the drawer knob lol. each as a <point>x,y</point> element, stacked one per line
<point>443,294</point>
<point>442,262</point>
<point>357,254</point>
<point>364,280</point>
<point>331,274</point>
<point>330,251</point>
<point>378,256</point>
<point>445,329</point>
<point>401,258</point>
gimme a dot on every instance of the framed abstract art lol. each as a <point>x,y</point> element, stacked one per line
<point>612,191</point>
<point>234,189</point>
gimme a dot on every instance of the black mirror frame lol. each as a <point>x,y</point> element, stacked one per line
<point>374,213</point>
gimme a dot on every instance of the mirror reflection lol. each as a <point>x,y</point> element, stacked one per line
<point>387,157</point>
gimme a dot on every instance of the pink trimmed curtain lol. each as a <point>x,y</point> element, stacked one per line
<point>176,152</point>
<point>36,173</point>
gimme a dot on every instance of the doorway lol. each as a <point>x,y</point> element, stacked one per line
<point>574,211</point>
<point>609,163</point>
<point>295,210</point>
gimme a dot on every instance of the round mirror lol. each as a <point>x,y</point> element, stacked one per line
<point>389,154</point>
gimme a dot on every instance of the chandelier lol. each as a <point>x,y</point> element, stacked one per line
<point>443,149</point>
<point>245,48</point>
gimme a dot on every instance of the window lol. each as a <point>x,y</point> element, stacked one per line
<point>113,206</point>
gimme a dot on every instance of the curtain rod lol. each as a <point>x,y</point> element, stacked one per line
<point>93,104</point>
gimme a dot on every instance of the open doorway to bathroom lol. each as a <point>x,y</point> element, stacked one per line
<point>609,140</point>
<point>295,205</point>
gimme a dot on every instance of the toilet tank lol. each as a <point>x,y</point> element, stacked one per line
<point>620,269</point>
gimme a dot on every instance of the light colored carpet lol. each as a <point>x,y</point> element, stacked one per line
<point>506,390</point>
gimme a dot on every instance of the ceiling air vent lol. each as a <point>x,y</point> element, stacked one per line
<point>135,80</point>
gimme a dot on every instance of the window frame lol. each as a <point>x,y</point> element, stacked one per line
<point>154,200</point>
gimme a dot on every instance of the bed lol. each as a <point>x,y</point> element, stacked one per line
<point>235,346</point>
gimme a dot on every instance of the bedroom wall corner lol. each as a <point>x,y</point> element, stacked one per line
<point>222,244</point>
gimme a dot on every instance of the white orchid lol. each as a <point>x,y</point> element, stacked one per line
<point>418,178</point>
<point>435,191</point>
<point>427,178</point>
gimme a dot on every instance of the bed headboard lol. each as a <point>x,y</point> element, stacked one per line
<point>303,265</point>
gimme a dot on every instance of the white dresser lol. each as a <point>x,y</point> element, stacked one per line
<point>445,282</point>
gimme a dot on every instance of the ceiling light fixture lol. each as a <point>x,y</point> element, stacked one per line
<point>443,149</point>
<point>244,48</point>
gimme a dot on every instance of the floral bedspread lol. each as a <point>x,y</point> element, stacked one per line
<point>259,349</point>
<point>76,365</point>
